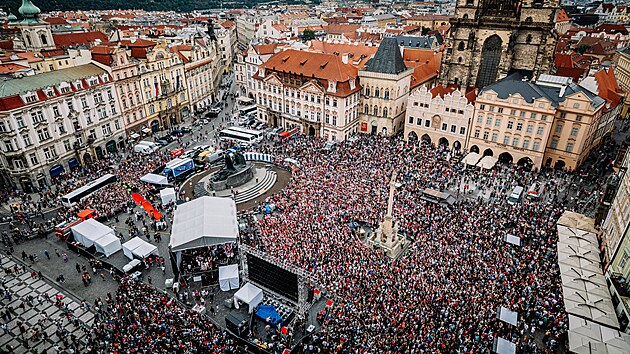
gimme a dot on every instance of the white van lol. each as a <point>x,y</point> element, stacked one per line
<point>150,144</point>
<point>516,195</point>
<point>143,149</point>
<point>215,156</point>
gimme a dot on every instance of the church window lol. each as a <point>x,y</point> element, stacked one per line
<point>459,60</point>
<point>386,94</point>
<point>385,112</point>
<point>375,111</point>
<point>377,92</point>
<point>44,39</point>
<point>367,90</point>
<point>465,17</point>
<point>490,58</point>
<point>461,46</point>
<point>528,39</point>
<point>529,20</point>
<point>28,40</point>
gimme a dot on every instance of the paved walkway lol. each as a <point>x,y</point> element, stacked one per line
<point>32,317</point>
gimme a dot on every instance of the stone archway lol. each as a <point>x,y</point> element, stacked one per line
<point>311,131</point>
<point>412,137</point>
<point>426,139</point>
<point>474,149</point>
<point>87,158</point>
<point>155,125</point>
<point>559,165</point>
<point>488,152</point>
<point>99,152</point>
<point>27,184</point>
<point>526,163</point>
<point>506,157</point>
<point>374,126</point>
<point>443,142</point>
<point>457,145</point>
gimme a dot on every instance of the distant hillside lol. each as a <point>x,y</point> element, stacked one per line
<point>149,5</point>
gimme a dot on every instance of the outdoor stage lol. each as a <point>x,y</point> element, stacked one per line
<point>257,326</point>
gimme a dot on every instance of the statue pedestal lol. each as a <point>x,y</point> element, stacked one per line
<point>387,238</point>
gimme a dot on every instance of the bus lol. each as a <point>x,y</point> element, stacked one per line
<point>246,110</point>
<point>242,136</point>
<point>75,196</point>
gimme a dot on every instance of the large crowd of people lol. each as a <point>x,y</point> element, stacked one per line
<point>443,295</point>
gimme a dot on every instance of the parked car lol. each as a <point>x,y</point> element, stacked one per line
<point>177,132</point>
<point>177,152</point>
<point>214,111</point>
<point>186,130</point>
<point>161,142</point>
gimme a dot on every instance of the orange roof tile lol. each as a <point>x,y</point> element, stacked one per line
<point>11,68</point>
<point>79,38</point>
<point>310,64</point>
<point>562,16</point>
<point>263,49</point>
<point>358,55</point>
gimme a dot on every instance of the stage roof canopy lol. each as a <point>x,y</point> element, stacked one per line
<point>204,221</point>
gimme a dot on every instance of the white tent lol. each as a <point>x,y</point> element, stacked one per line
<point>487,162</point>
<point>152,178</point>
<point>228,277</point>
<point>130,245</point>
<point>167,195</point>
<point>588,337</point>
<point>204,221</point>
<point>507,315</point>
<point>139,248</point>
<point>249,294</point>
<point>504,346</point>
<point>92,233</point>
<point>471,159</point>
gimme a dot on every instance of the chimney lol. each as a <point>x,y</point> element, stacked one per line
<point>344,58</point>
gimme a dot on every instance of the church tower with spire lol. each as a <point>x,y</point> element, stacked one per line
<point>35,33</point>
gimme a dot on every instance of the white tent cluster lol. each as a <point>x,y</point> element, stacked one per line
<point>471,159</point>
<point>139,248</point>
<point>92,233</point>
<point>593,324</point>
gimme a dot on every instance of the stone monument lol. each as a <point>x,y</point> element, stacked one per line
<point>386,236</point>
<point>236,172</point>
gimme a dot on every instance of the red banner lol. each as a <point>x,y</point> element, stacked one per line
<point>363,126</point>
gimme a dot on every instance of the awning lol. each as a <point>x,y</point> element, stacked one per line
<point>588,337</point>
<point>487,162</point>
<point>72,163</point>
<point>86,214</point>
<point>56,170</point>
<point>134,135</point>
<point>471,159</point>
<point>147,131</point>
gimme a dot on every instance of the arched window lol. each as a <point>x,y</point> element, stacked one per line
<point>28,40</point>
<point>528,39</point>
<point>461,46</point>
<point>386,94</point>
<point>459,60</point>
<point>367,90</point>
<point>469,2</point>
<point>465,17</point>
<point>366,109</point>
<point>44,39</point>
<point>385,112</point>
<point>529,20</point>
<point>377,92</point>
<point>375,111</point>
<point>490,58</point>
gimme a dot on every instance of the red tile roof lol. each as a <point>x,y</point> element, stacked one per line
<point>11,68</point>
<point>562,16</point>
<point>56,21</point>
<point>310,64</point>
<point>608,86</point>
<point>79,38</point>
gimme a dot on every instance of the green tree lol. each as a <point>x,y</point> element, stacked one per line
<point>582,48</point>
<point>308,35</point>
<point>425,30</point>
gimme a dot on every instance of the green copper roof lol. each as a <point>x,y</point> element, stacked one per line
<point>30,12</point>
<point>12,18</point>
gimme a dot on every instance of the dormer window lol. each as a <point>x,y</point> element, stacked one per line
<point>64,89</point>
<point>30,98</point>
<point>78,85</point>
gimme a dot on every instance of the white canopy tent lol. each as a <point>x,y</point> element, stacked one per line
<point>139,248</point>
<point>586,337</point>
<point>92,233</point>
<point>504,346</point>
<point>471,159</point>
<point>249,294</point>
<point>507,315</point>
<point>487,162</point>
<point>168,195</point>
<point>202,222</point>
<point>228,277</point>
<point>152,178</point>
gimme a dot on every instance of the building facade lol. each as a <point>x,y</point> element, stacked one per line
<point>440,115</point>
<point>164,88</point>
<point>490,39</point>
<point>54,122</point>
<point>551,122</point>
<point>622,72</point>
<point>386,82</point>
<point>315,93</point>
